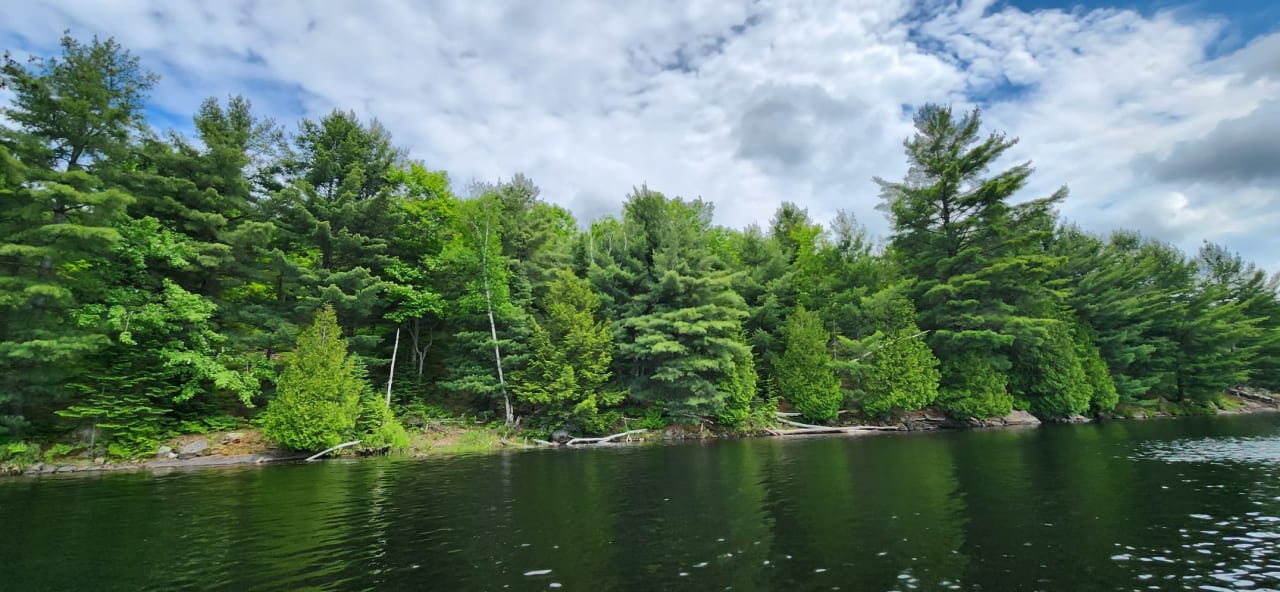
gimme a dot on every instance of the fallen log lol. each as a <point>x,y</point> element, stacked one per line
<point>787,414</point>
<point>810,428</point>
<point>834,430</point>
<point>327,451</point>
<point>603,439</point>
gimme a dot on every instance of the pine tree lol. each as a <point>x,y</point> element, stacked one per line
<point>679,342</point>
<point>1258,296</point>
<point>70,120</point>
<point>978,261</point>
<point>569,362</point>
<point>318,393</point>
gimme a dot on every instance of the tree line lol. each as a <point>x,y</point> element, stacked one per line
<point>153,282</point>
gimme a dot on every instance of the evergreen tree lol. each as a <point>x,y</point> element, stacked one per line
<point>890,370</point>
<point>1048,375</point>
<point>75,110</point>
<point>804,371</point>
<point>318,393</point>
<point>739,387</point>
<point>681,343</point>
<point>70,116</point>
<point>1258,296</point>
<point>978,261</point>
<point>336,218</point>
<point>570,356</point>
<point>1104,396</point>
<point>1119,289</point>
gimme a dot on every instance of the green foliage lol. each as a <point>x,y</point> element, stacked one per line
<point>209,424</point>
<point>132,421</point>
<point>740,390</point>
<point>80,106</point>
<point>654,418</point>
<point>974,386</point>
<point>571,351</point>
<point>892,370</point>
<point>318,398</point>
<point>17,456</point>
<point>150,281</point>
<point>377,427</point>
<point>804,372</point>
<point>59,450</point>
<point>1047,372</point>
<point>679,337</point>
<point>976,260</point>
<point>1104,396</point>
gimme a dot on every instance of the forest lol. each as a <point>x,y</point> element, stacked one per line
<point>316,280</point>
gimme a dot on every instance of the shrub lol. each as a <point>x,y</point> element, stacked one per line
<point>318,395</point>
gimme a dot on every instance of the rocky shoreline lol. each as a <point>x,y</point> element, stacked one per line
<point>210,450</point>
<point>248,447</point>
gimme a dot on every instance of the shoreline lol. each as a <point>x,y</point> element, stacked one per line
<point>448,444</point>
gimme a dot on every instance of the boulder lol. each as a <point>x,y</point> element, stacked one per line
<point>100,461</point>
<point>193,449</point>
<point>1015,418</point>
<point>232,437</point>
<point>1018,417</point>
<point>165,452</point>
<point>923,419</point>
<point>561,436</point>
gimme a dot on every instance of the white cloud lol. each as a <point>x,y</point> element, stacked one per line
<point>744,103</point>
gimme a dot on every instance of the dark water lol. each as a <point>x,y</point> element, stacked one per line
<point>1156,505</point>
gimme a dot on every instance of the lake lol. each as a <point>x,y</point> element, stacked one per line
<point>1188,504</point>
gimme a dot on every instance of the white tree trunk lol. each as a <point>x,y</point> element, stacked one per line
<point>497,354</point>
<point>392,375</point>
<point>493,325</point>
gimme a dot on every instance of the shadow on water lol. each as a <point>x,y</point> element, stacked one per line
<point>1118,506</point>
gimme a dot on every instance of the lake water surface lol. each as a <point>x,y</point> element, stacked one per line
<point>1189,504</point>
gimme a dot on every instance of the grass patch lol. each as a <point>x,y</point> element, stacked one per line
<point>439,439</point>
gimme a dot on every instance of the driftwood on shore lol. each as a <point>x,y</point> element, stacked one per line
<point>603,439</point>
<point>834,430</point>
<point>327,451</point>
<point>806,428</point>
<point>794,414</point>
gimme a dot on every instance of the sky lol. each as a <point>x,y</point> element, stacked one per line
<point>1159,115</point>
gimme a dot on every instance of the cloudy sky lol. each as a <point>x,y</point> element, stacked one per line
<point>1159,115</point>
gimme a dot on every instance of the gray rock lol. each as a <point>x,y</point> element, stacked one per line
<point>1018,417</point>
<point>165,452</point>
<point>100,461</point>
<point>49,469</point>
<point>561,436</point>
<point>194,448</point>
<point>232,437</point>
